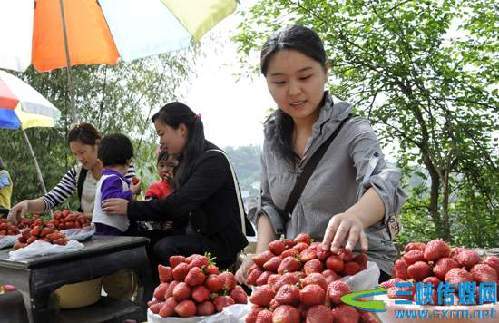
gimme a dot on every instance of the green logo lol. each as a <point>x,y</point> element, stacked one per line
<point>356,299</point>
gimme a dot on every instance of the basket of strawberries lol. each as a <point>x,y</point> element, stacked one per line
<point>193,289</point>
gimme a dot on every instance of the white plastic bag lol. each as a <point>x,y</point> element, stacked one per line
<point>364,279</point>
<point>80,234</point>
<point>8,241</point>
<point>230,314</point>
<point>43,248</point>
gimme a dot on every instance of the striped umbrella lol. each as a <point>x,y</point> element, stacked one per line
<point>52,34</point>
<point>22,107</point>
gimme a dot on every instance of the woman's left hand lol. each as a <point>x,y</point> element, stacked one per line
<point>115,206</point>
<point>344,230</point>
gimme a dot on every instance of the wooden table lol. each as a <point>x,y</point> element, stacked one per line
<point>37,278</point>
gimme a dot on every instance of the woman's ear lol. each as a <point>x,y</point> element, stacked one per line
<point>183,130</point>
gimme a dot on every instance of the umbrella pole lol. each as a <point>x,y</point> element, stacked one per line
<point>38,171</point>
<point>74,116</point>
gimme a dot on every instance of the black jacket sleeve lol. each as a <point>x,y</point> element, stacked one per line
<point>208,176</point>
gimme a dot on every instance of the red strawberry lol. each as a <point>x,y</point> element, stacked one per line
<point>361,259</point>
<point>273,304</point>
<point>351,268</point>
<point>273,279</point>
<point>419,271</point>
<point>214,283</point>
<point>262,258</point>
<point>206,308</point>
<point>152,302</point>
<point>322,254</point>
<point>239,295</point>
<point>272,264</point>
<point>252,315</point>
<point>200,293</point>
<point>308,254</point>
<point>155,308</point>
<point>288,295</point>
<point>287,278</point>
<point>443,265</point>
<point>186,308</point>
<point>345,254</point>
<point>415,246</point>
<point>169,290</point>
<point>336,290</point>
<point>345,314</point>
<point>436,249</point>
<point>330,275</point>
<point>211,270</point>
<point>180,271</point>
<point>168,308</point>
<point>222,301</point>
<point>195,277</point>
<point>277,247</point>
<point>312,266</point>
<point>181,291</point>
<point>432,280</point>
<point>390,283</point>
<point>289,264</point>
<point>455,251</point>
<point>229,280</point>
<point>286,314</point>
<point>289,253</point>
<point>253,276</point>
<point>165,273</point>
<point>493,262</point>
<point>334,262</point>
<point>458,275</point>
<point>484,273</point>
<point>264,316</point>
<point>312,295</point>
<point>315,278</point>
<point>199,261</point>
<point>303,237</point>
<point>412,256</point>
<point>175,260</point>
<point>262,295</point>
<point>300,246</point>
<point>400,269</point>
<point>319,314</point>
<point>160,291</point>
<point>467,258</point>
<point>289,243</point>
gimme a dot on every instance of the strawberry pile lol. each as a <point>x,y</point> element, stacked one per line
<point>40,231</point>
<point>7,228</point>
<point>435,262</point>
<point>194,286</point>
<point>67,219</point>
<point>297,281</point>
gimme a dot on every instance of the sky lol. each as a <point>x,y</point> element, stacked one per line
<point>232,107</point>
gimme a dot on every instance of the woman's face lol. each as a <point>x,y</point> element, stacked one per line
<point>296,83</point>
<point>171,140</point>
<point>85,154</point>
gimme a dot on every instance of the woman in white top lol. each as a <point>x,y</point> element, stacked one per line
<point>83,141</point>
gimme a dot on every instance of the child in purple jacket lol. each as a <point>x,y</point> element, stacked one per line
<point>115,152</point>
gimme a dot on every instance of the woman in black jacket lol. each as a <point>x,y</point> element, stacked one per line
<point>205,195</point>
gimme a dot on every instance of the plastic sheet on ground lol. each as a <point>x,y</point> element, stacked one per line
<point>43,248</point>
<point>8,241</point>
<point>80,234</point>
<point>230,314</point>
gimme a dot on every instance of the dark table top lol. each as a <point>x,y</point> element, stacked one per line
<point>96,246</point>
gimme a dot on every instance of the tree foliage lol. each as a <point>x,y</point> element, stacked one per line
<point>425,73</point>
<point>117,98</point>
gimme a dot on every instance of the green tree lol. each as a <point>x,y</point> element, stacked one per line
<point>425,73</point>
<point>117,98</point>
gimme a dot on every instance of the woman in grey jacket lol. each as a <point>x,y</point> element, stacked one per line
<point>351,198</point>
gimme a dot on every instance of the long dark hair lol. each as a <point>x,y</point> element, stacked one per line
<point>173,114</point>
<point>280,125</point>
